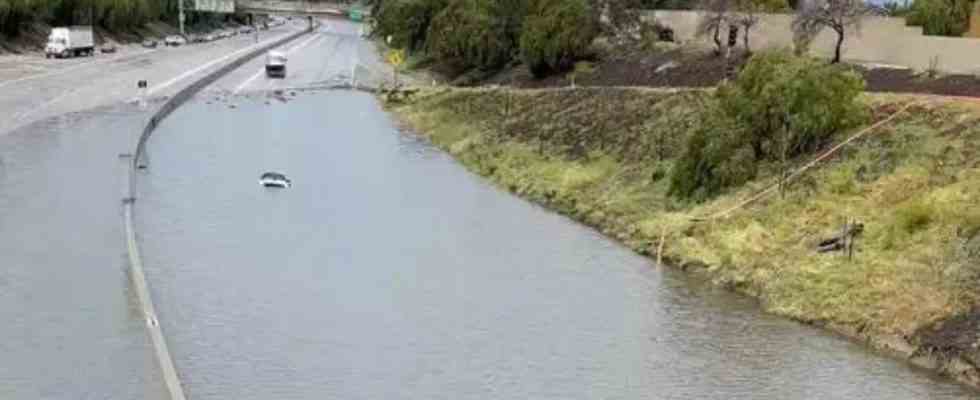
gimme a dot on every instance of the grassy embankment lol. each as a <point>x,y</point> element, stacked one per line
<point>602,156</point>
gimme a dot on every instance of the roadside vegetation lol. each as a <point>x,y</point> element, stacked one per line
<point>18,17</point>
<point>652,168</point>
<point>548,36</point>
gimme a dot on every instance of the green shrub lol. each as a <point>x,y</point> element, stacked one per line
<point>780,106</point>
<point>714,158</point>
<point>791,105</point>
<point>475,33</point>
<point>914,217</point>
<point>407,21</point>
<point>555,33</point>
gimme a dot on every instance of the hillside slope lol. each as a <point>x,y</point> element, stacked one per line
<point>602,155</point>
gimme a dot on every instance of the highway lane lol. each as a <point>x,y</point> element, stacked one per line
<point>331,55</point>
<point>85,84</point>
<point>72,327</point>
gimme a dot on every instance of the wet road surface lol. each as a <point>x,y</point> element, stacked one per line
<point>60,86</point>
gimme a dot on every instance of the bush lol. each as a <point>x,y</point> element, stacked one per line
<point>407,21</point>
<point>780,106</point>
<point>555,33</point>
<point>915,217</point>
<point>474,33</point>
<point>714,158</point>
<point>791,105</point>
<point>941,17</point>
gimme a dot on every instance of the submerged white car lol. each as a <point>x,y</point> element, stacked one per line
<point>275,180</point>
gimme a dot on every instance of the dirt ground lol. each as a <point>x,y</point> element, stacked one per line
<point>700,68</point>
<point>956,336</point>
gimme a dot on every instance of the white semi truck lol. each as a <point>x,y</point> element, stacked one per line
<point>70,41</point>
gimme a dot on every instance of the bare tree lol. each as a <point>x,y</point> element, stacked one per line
<point>619,18</point>
<point>747,15</point>
<point>839,15</point>
<point>717,13</point>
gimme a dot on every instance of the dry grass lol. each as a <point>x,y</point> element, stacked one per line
<point>600,156</point>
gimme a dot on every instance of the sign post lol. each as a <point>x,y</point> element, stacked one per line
<point>396,58</point>
<point>141,88</point>
<point>180,8</point>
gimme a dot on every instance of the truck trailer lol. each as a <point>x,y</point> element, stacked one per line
<point>71,41</point>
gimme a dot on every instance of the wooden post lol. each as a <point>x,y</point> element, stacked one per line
<point>660,248</point>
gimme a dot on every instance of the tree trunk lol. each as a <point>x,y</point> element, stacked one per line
<point>745,40</point>
<point>717,38</point>
<point>840,42</point>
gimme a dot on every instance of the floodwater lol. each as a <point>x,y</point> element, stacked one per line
<point>389,272</point>
<point>70,328</point>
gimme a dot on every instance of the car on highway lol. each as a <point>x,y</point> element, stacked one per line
<point>108,48</point>
<point>246,30</point>
<point>210,37</point>
<point>275,64</point>
<point>174,40</point>
<point>149,43</point>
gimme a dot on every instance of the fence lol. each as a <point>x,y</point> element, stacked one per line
<point>881,40</point>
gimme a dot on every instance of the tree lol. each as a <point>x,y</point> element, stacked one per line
<point>555,33</point>
<point>780,107</point>
<point>476,33</point>
<point>838,15</point>
<point>406,21</point>
<point>747,15</point>
<point>941,17</point>
<point>791,105</point>
<point>715,14</point>
<point>618,17</point>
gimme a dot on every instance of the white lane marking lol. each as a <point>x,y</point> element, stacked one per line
<point>185,75</point>
<point>76,66</point>
<point>261,70</point>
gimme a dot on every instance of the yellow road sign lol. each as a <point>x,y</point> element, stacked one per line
<point>396,57</point>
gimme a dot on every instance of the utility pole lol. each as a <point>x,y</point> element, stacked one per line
<point>180,17</point>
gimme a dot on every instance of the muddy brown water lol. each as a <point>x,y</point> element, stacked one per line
<point>388,271</point>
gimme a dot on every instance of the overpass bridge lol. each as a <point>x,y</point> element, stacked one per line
<point>298,7</point>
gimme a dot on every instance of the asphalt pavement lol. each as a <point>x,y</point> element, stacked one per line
<point>33,88</point>
<point>332,55</point>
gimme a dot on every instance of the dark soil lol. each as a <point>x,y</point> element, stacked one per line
<point>957,336</point>
<point>688,68</point>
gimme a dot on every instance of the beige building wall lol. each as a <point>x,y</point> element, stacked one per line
<point>882,40</point>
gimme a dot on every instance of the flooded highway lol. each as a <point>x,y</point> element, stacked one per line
<point>388,271</point>
<point>71,327</point>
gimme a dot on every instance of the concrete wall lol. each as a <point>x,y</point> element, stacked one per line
<point>880,40</point>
